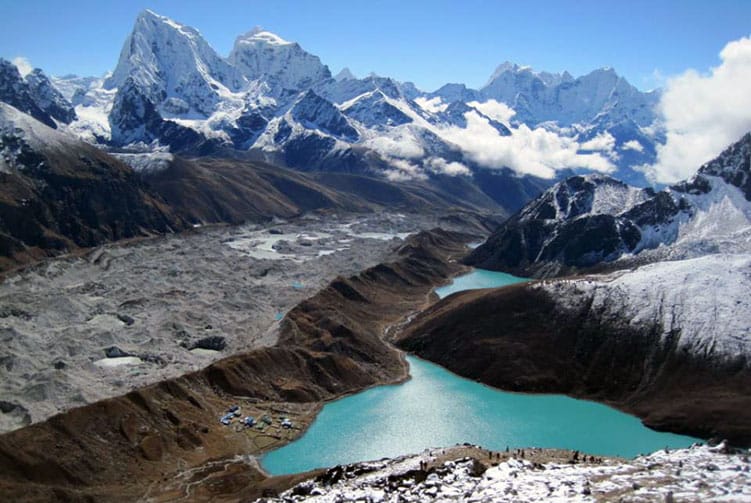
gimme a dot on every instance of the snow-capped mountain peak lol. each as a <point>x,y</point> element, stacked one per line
<point>166,59</point>
<point>259,34</point>
<point>507,67</point>
<point>260,54</point>
<point>345,74</point>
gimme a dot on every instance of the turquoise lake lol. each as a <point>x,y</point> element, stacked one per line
<point>436,408</point>
<point>478,278</point>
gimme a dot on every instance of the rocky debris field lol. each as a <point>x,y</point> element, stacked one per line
<point>696,474</point>
<point>79,329</point>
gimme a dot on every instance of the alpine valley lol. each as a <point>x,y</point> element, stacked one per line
<point>199,253</point>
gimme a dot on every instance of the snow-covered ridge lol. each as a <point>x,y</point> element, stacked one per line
<point>20,132</point>
<point>584,196</point>
<point>586,221</point>
<point>699,473</point>
<point>259,33</point>
<point>700,304</point>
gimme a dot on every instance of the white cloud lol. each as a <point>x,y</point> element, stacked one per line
<point>603,141</point>
<point>496,110</point>
<point>703,114</point>
<point>432,105</point>
<point>537,152</point>
<point>403,144</point>
<point>441,166</point>
<point>24,65</point>
<point>404,170</point>
<point>633,145</point>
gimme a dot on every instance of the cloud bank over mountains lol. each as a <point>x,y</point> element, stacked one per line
<point>703,113</point>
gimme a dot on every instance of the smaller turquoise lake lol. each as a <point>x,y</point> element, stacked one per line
<point>436,408</point>
<point>478,278</point>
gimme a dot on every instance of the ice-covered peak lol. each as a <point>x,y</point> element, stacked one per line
<point>147,18</point>
<point>455,92</point>
<point>540,97</point>
<point>260,54</point>
<point>166,59</point>
<point>585,195</point>
<point>259,34</point>
<point>345,74</point>
<point>507,67</point>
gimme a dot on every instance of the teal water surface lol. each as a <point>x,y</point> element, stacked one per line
<point>478,278</point>
<point>437,408</point>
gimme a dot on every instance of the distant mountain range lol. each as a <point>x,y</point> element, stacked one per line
<point>273,99</point>
<point>59,193</point>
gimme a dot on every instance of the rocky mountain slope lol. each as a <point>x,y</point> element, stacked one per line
<point>58,193</point>
<point>35,95</point>
<point>586,221</point>
<point>272,97</point>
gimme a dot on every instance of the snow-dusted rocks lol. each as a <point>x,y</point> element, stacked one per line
<point>314,112</point>
<point>60,193</point>
<point>699,473</point>
<point>373,110</point>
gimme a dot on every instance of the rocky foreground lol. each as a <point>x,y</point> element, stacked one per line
<point>472,474</point>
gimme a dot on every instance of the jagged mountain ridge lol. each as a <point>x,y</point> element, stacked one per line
<point>34,95</point>
<point>232,103</point>
<point>588,220</point>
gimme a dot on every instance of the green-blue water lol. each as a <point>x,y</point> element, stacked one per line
<point>478,278</point>
<point>436,408</point>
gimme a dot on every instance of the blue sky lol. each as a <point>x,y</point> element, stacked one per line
<point>427,42</point>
